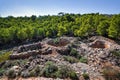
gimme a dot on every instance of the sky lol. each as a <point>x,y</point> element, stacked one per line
<point>53,7</point>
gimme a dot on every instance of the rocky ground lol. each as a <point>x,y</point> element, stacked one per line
<point>95,58</point>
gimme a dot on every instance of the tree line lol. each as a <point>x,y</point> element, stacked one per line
<point>19,29</point>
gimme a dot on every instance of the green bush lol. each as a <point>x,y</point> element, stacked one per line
<point>74,53</point>
<point>11,73</point>
<point>5,56</point>
<point>66,72</point>
<point>86,76</point>
<point>35,71</point>
<point>70,59</point>
<point>49,70</point>
<point>116,53</point>
<point>73,75</point>
<point>25,74</point>
<point>56,40</point>
<point>2,72</point>
<point>83,60</point>
<point>63,72</point>
<point>110,73</point>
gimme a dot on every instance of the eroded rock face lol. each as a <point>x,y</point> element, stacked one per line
<point>100,44</point>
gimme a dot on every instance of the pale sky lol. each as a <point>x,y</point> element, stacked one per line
<point>53,7</point>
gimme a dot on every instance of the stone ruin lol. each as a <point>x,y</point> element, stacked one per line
<point>26,51</point>
<point>58,42</point>
<point>100,44</point>
<point>24,48</point>
<point>58,45</point>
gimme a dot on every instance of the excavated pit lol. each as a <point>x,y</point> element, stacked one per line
<point>100,44</point>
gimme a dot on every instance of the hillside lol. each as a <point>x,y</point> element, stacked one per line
<point>69,58</point>
<point>60,47</point>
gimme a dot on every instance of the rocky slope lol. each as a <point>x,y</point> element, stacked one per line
<point>86,58</point>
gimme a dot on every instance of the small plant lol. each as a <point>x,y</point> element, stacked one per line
<point>5,56</point>
<point>116,53</point>
<point>11,73</point>
<point>49,70</point>
<point>35,71</point>
<point>86,76</point>
<point>25,74</point>
<point>70,59</point>
<point>66,72</point>
<point>83,60</point>
<point>63,72</point>
<point>110,73</point>
<point>74,53</point>
<point>56,40</point>
<point>2,72</point>
<point>73,75</point>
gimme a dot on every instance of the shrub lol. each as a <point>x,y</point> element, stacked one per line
<point>35,71</point>
<point>25,74</point>
<point>9,63</point>
<point>5,56</point>
<point>110,73</point>
<point>49,70</point>
<point>85,75</point>
<point>2,72</point>
<point>66,72</point>
<point>70,59</point>
<point>63,72</point>
<point>73,75</point>
<point>56,40</point>
<point>116,53</point>
<point>74,53</point>
<point>83,60</point>
<point>11,73</point>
